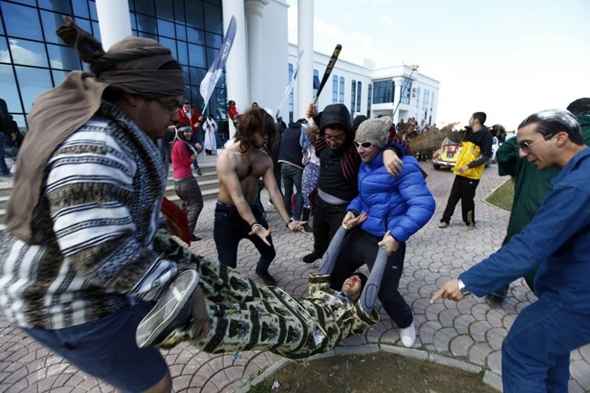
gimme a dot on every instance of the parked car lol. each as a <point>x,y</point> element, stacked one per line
<point>446,155</point>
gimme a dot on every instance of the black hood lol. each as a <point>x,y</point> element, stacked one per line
<point>336,115</point>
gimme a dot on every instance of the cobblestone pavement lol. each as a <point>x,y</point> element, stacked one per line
<point>469,331</point>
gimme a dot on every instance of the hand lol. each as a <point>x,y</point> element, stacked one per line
<point>392,162</point>
<point>295,226</point>
<point>261,232</point>
<point>199,147</point>
<point>462,170</point>
<point>350,220</point>
<point>200,317</point>
<point>312,111</point>
<point>389,243</point>
<point>449,290</point>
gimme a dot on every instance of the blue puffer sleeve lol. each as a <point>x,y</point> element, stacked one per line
<point>417,197</point>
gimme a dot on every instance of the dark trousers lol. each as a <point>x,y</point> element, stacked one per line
<point>189,192</point>
<point>536,352</point>
<point>4,171</point>
<point>360,248</point>
<point>463,189</point>
<point>229,228</point>
<point>291,177</point>
<point>326,221</point>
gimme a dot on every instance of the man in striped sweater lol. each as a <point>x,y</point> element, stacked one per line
<point>85,254</point>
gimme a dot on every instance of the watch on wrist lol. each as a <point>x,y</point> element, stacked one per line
<point>462,288</point>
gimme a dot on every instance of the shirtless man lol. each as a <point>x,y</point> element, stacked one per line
<point>237,216</point>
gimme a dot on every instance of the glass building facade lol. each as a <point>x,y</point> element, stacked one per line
<point>34,59</point>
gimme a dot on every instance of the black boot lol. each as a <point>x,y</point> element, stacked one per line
<point>172,311</point>
<point>311,258</point>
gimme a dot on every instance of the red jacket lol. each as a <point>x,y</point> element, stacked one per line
<point>183,119</point>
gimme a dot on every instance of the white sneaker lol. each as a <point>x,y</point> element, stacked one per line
<point>408,335</point>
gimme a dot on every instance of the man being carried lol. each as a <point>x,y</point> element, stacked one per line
<point>220,312</point>
<point>237,216</point>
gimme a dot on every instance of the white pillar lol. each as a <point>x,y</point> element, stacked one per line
<point>305,44</point>
<point>113,20</point>
<point>236,68</point>
<point>254,10</point>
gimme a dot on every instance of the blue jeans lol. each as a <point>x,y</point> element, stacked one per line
<point>536,352</point>
<point>291,177</point>
<point>106,349</point>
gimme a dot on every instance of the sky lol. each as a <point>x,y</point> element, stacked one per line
<point>506,58</point>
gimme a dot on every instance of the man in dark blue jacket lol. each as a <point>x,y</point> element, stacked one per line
<point>536,352</point>
<point>389,209</point>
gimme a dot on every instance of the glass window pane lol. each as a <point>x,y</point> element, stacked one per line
<point>29,2</point>
<point>164,8</point>
<point>32,82</point>
<point>56,5</point>
<point>133,20</point>
<point>179,10</point>
<point>63,58</point>
<point>211,54</point>
<point>93,14</point>
<point>59,76</point>
<point>147,24</point>
<point>195,36</point>
<point>197,56</point>
<point>20,122</point>
<point>197,75</point>
<point>81,8</point>
<point>194,14</point>
<point>131,5</point>
<point>8,88</point>
<point>182,52</point>
<point>165,28</point>
<point>170,44</point>
<point>145,7</point>
<point>214,40</point>
<point>181,32</point>
<point>196,99</point>
<point>96,30</point>
<point>148,35</point>
<point>214,20</point>
<point>51,21</point>
<point>4,54</point>
<point>185,74</point>
<point>28,52</point>
<point>84,24</point>
<point>22,21</point>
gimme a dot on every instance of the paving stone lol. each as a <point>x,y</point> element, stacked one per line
<point>460,345</point>
<point>494,361</point>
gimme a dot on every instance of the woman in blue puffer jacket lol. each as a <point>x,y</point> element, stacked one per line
<point>388,210</point>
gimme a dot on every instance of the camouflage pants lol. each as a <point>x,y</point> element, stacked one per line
<point>245,316</point>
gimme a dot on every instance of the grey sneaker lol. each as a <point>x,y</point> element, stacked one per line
<point>443,224</point>
<point>173,310</point>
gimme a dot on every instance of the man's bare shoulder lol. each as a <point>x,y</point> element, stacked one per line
<point>227,159</point>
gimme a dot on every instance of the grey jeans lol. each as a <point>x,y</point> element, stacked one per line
<point>189,192</point>
<point>291,177</point>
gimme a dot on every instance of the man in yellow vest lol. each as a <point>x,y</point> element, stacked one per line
<point>476,150</point>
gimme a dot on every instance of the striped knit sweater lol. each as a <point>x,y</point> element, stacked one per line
<point>97,242</point>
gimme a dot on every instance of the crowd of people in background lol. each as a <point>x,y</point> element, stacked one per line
<point>87,247</point>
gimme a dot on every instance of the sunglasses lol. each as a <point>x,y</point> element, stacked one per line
<point>526,144</point>
<point>364,145</point>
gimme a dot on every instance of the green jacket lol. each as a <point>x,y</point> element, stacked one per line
<point>530,184</point>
